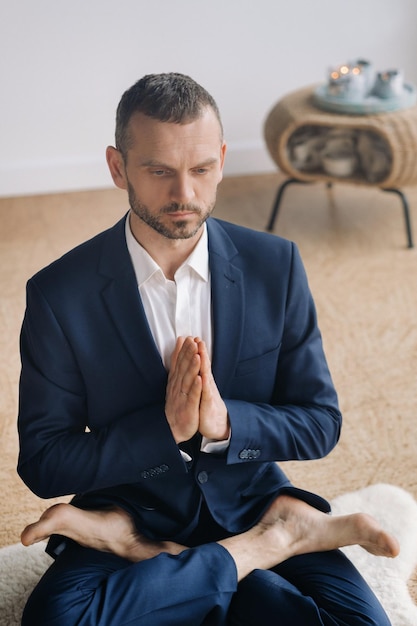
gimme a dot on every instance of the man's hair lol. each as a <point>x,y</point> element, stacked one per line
<point>169,97</point>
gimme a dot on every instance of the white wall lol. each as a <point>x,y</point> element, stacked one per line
<point>64,66</point>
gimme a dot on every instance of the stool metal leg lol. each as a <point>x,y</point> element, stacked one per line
<point>407,217</point>
<point>290,181</point>
<point>278,199</point>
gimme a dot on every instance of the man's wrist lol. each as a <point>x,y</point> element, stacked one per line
<point>218,446</point>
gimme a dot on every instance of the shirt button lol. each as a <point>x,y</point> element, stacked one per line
<point>202,477</point>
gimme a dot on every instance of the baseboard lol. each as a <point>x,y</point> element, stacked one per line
<point>56,175</point>
<point>244,158</point>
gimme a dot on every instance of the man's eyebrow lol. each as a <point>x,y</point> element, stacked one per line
<point>155,163</point>
<point>210,161</point>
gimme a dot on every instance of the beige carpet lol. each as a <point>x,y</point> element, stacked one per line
<point>364,281</point>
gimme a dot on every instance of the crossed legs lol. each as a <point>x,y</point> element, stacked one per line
<point>115,575</point>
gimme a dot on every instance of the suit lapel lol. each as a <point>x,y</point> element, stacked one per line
<point>227,304</point>
<point>123,303</point>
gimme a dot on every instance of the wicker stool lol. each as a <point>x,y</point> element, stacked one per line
<point>397,129</point>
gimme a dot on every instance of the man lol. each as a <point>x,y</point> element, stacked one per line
<point>166,365</point>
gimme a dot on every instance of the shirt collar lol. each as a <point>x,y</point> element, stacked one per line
<point>145,266</point>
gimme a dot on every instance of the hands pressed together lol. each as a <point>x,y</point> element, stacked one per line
<point>193,402</point>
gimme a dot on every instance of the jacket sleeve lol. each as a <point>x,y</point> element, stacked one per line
<point>58,454</point>
<point>299,417</point>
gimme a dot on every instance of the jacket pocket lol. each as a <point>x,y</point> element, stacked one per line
<point>268,360</point>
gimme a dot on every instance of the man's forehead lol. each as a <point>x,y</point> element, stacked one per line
<point>206,122</point>
<point>201,137</point>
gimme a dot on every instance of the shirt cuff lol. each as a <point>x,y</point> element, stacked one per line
<point>186,457</point>
<point>210,446</point>
<point>214,446</point>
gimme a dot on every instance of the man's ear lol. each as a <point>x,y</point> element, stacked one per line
<point>117,167</point>
<point>222,157</point>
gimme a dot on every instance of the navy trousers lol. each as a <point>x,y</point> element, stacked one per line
<point>84,587</point>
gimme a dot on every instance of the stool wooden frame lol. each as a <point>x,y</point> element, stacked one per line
<point>398,129</point>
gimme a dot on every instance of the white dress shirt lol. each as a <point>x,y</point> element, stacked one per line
<point>179,307</point>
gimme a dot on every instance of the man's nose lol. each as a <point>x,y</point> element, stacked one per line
<point>182,190</point>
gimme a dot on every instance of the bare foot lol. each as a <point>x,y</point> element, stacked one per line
<point>291,527</point>
<point>110,530</point>
<point>308,530</point>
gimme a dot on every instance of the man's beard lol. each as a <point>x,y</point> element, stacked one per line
<point>180,229</point>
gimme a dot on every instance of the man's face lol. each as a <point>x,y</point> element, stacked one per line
<point>172,172</point>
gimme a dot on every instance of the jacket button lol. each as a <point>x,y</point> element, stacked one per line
<point>202,477</point>
<point>249,454</point>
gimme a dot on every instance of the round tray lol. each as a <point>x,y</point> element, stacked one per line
<point>364,106</point>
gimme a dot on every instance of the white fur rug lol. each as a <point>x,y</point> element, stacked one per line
<point>20,567</point>
<point>396,510</point>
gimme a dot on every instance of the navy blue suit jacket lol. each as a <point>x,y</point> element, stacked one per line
<point>91,416</point>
